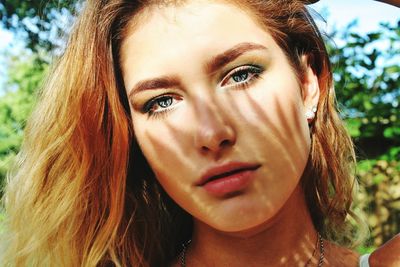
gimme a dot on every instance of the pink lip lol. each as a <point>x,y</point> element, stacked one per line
<point>227,178</point>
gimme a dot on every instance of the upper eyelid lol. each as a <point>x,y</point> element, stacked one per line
<point>154,100</point>
<point>231,55</point>
<point>140,101</point>
<point>247,59</point>
<point>242,67</point>
<point>232,71</point>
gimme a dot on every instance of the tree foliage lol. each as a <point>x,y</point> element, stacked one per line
<point>379,198</point>
<point>42,22</point>
<point>367,82</point>
<point>25,76</point>
<point>367,73</point>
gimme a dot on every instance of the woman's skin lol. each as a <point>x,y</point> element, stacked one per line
<point>387,255</point>
<point>209,88</point>
<point>212,120</point>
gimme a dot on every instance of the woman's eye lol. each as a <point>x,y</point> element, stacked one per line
<point>160,104</point>
<point>241,76</point>
<point>164,102</point>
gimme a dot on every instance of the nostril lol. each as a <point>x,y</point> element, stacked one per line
<point>204,149</point>
<point>225,143</point>
<point>214,137</point>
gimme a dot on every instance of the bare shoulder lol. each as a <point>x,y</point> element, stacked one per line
<point>337,256</point>
<point>387,255</point>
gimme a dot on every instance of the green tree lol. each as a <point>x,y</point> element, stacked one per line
<point>24,79</point>
<point>40,22</point>
<point>367,82</point>
<point>368,88</point>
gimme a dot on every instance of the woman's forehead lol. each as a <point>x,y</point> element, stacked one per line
<point>157,21</point>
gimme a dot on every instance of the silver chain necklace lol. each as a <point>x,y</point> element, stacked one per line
<point>320,240</point>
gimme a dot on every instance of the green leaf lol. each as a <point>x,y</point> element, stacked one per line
<point>353,127</point>
<point>391,132</point>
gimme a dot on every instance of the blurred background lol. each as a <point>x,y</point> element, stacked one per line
<point>363,38</point>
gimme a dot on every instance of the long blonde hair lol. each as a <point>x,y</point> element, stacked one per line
<point>82,193</point>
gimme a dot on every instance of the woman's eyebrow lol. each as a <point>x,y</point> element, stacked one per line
<point>154,83</point>
<point>231,54</point>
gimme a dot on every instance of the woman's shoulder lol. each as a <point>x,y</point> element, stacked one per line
<point>336,255</point>
<point>387,255</point>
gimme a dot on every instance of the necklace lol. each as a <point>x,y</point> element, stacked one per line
<point>320,241</point>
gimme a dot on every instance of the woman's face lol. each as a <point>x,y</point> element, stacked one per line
<point>217,111</point>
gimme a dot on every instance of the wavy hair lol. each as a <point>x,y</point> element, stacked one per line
<point>82,194</point>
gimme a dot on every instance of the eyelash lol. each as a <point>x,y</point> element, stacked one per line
<point>148,106</point>
<point>158,114</point>
<point>253,70</point>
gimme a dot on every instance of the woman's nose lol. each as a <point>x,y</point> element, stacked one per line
<point>214,130</point>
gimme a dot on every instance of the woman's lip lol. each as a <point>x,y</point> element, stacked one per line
<point>229,183</point>
<point>225,170</point>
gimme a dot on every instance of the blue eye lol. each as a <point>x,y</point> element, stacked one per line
<point>160,104</point>
<point>241,76</point>
<point>164,102</point>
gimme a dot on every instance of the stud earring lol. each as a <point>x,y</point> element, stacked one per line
<point>310,113</point>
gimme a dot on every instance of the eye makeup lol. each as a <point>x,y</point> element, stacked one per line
<point>241,77</point>
<point>161,104</point>
<point>236,78</point>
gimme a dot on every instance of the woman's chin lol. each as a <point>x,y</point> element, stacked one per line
<point>244,226</point>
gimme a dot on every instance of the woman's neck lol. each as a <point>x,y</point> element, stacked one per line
<point>289,239</point>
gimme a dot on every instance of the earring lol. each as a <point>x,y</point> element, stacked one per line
<point>310,113</point>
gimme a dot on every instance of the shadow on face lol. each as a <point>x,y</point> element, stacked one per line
<point>214,97</point>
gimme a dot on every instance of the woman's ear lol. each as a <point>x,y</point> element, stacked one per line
<point>311,89</point>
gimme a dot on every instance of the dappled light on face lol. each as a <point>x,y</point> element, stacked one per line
<point>281,126</point>
<point>265,133</point>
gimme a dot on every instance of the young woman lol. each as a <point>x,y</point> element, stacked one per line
<point>186,133</point>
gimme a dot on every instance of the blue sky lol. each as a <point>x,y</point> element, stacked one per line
<point>338,13</point>
<point>368,13</point>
